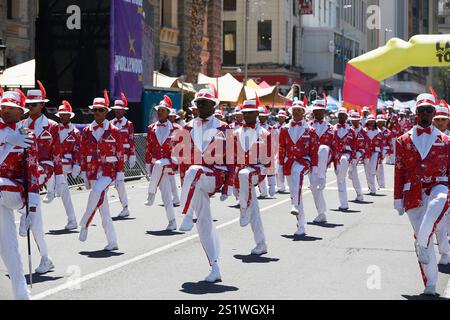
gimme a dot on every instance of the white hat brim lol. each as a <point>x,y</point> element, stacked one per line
<point>423,104</point>
<point>97,106</point>
<point>12,104</point>
<point>36,101</point>
<point>119,108</point>
<point>354,119</point>
<point>442,117</point>
<point>72,115</point>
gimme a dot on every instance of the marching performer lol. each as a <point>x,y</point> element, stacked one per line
<point>375,145</point>
<point>126,129</point>
<point>159,161</point>
<point>394,127</point>
<point>239,117</point>
<point>386,151</point>
<point>102,162</point>
<point>360,154</point>
<point>253,153</point>
<point>268,173</point>
<point>404,123</point>
<point>12,150</point>
<point>298,154</point>
<point>345,140</point>
<point>440,121</point>
<point>365,115</point>
<point>194,110</point>
<point>325,132</point>
<point>49,157</point>
<point>421,186</point>
<point>69,137</point>
<point>205,176</point>
<point>281,121</point>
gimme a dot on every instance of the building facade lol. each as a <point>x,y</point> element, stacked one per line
<point>273,40</point>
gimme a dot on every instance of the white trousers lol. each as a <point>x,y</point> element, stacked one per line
<point>198,199</point>
<point>161,178</point>
<point>65,197</point>
<point>37,230</point>
<point>295,182</point>
<point>424,220</point>
<point>122,191</point>
<point>98,199</point>
<point>380,176</point>
<point>319,199</point>
<point>370,168</point>
<point>391,159</point>
<point>341,174</point>
<point>174,189</point>
<point>9,244</point>
<point>248,180</point>
<point>354,176</point>
<point>442,234</point>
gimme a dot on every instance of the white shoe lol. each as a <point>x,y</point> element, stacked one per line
<point>150,199</point>
<point>50,196</point>
<point>45,266</point>
<point>187,224</point>
<point>260,249</point>
<point>272,190</point>
<point>214,275</point>
<point>83,234</point>
<point>300,231</point>
<point>263,196</point>
<point>245,217</point>
<point>359,198</point>
<point>124,213</point>
<point>321,218</point>
<point>172,225</point>
<point>111,247</point>
<point>294,211</point>
<point>343,209</point>
<point>422,254</point>
<point>430,291</point>
<point>444,259</point>
<point>71,225</point>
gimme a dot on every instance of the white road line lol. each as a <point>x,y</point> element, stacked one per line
<point>74,283</point>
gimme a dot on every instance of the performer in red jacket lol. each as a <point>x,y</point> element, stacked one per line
<point>375,145</point>
<point>422,170</point>
<point>361,142</point>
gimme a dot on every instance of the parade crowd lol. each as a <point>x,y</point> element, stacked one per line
<point>246,159</point>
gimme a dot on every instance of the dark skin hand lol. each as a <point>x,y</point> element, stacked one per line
<point>342,117</point>
<point>319,114</point>
<point>250,117</point>
<point>425,115</point>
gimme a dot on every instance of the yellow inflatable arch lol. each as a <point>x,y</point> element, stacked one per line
<point>364,73</point>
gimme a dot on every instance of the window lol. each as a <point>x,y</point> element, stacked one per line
<point>229,43</point>
<point>265,35</point>
<point>9,14</point>
<point>229,5</point>
<point>287,37</point>
<point>166,13</point>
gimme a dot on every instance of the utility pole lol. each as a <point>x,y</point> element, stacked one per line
<point>247,7</point>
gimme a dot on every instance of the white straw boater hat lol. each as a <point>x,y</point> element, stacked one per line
<point>208,94</point>
<point>249,106</point>
<point>343,111</point>
<point>319,105</point>
<point>297,104</point>
<point>16,99</point>
<point>426,99</point>
<point>281,113</point>
<point>37,96</point>
<point>355,116</point>
<point>166,103</point>
<point>121,104</point>
<point>442,112</point>
<point>381,118</point>
<point>65,108</point>
<point>101,102</point>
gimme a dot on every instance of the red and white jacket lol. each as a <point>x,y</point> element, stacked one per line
<point>388,136</point>
<point>361,143</point>
<point>236,125</point>
<point>257,154</point>
<point>325,132</point>
<point>160,142</point>
<point>49,145</point>
<point>394,125</point>
<point>345,142</point>
<point>421,163</point>
<point>207,153</point>
<point>105,154</point>
<point>405,125</point>
<point>304,150</point>
<point>375,142</point>
<point>11,165</point>
<point>69,136</point>
<point>126,128</point>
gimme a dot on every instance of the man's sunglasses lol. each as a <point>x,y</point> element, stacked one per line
<point>203,102</point>
<point>428,110</point>
<point>98,110</point>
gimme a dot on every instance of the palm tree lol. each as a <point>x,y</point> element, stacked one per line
<point>193,61</point>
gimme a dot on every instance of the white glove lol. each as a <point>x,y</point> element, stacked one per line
<point>147,168</point>
<point>132,161</point>
<point>398,205</point>
<point>87,183</point>
<point>26,223</point>
<point>223,197</point>
<point>76,170</point>
<point>20,140</point>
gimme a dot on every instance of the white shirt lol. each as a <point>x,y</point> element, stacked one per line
<point>162,131</point>
<point>424,142</point>
<point>342,131</point>
<point>63,132</point>
<point>39,124</point>
<point>320,128</point>
<point>296,132</point>
<point>372,133</point>
<point>203,131</point>
<point>99,132</point>
<point>120,123</point>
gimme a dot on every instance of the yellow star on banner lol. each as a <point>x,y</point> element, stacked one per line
<point>131,42</point>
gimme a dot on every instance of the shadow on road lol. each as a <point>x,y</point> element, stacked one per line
<point>236,206</point>
<point>38,278</point>
<point>122,219</point>
<point>424,297</point>
<point>100,254</point>
<point>251,258</point>
<point>376,195</point>
<point>304,238</point>
<point>203,287</point>
<point>164,233</point>
<point>325,225</point>
<point>61,232</point>
<point>346,211</point>
<point>361,202</point>
<point>444,269</point>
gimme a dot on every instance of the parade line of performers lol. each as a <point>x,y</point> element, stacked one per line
<point>247,159</point>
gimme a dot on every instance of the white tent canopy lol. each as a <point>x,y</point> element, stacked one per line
<point>20,75</point>
<point>228,87</point>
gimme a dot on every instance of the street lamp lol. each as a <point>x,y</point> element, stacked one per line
<point>2,56</point>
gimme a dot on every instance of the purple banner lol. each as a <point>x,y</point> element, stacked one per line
<point>126,49</point>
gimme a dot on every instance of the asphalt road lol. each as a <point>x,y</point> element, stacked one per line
<point>367,253</point>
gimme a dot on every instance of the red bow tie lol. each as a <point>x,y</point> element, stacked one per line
<point>62,126</point>
<point>161,125</point>
<point>341,126</point>
<point>253,126</point>
<point>318,121</point>
<point>296,124</point>
<point>422,131</point>
<point>371,129</point>
<point>6,125</point>
<point>240,124</point>
<point>98,126</point>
